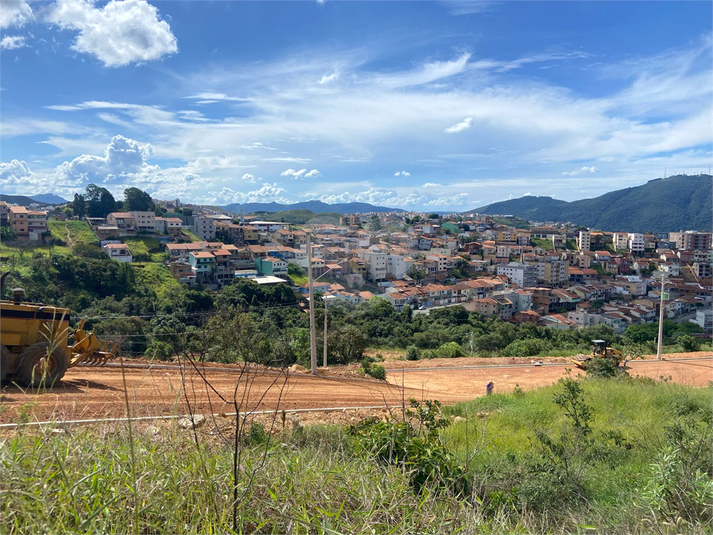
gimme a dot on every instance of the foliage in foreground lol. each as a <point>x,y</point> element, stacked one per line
<point>617,455</point>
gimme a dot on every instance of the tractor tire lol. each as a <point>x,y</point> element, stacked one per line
<point>36,368</point>
<point>5,361</point>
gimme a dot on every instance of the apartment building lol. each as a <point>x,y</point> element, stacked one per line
<point>124,221</point>
<point>144,222</point>
<point>520,274</point>
<point>691,240</point>
<point>620,240</point>
<point>17,217</point>
<point>636,243</point>
<point>584,240</point>
<point>204,227</point>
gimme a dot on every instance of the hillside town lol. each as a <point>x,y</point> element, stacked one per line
<point>555,275</point>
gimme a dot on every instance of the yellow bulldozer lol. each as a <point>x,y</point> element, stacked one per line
<point>38,345</point>
<point>600,350</point>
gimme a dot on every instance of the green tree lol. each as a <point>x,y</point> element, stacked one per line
<point>99,201</point>
<point>136,200</point>
<point>79,206</point>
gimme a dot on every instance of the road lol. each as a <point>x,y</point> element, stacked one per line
<point>87,393</point>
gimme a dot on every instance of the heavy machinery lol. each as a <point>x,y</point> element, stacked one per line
<point>599,351</point>
<point>36,349</point>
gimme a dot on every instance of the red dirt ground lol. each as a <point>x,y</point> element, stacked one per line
<point>99,392</point>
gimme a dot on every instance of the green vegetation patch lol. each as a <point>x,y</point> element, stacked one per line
<point>72,232</point>
<point>542,243</point>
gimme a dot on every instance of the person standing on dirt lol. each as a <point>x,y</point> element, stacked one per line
<point>489,388</point>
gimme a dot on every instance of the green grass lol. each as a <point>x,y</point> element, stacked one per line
<point>72,231</point>
<point>194,238</point>
<point>542,243</point>
<point>316,480</point>
<point>157,277</point>
<point>146,247</point>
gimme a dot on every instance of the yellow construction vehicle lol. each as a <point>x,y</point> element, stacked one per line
<point>599,351</point>
<point>36,349</point>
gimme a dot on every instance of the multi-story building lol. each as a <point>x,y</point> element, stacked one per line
<point>144,222</point>
<point>4,214</point>
<point>636,243</point>
<point>520,274</point>
<point>704,318</point>
<point>204,227</point>
<point>36,223</point>
<point>202,264</point>
<point>124,221</point>
<point>691,240</point>
<point>584,240</point>
<point>620,241</point>
<point>377,265</point>
<point>17,217</point>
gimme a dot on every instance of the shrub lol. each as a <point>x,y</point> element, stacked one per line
<point>602,368</point>
<point>450,350</point>
<point>526,348</point>
<point>688,343</point>
<point>413,353</point>
<point>377,371</point>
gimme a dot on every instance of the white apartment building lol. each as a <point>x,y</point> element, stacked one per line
<point>584,240</point>
<point>398,265</point>
<point>704,318</point>
<point>636,243</point>
<point>377,265</point>
<point>520,274</point>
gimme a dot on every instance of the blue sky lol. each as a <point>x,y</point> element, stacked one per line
<point>418,105</point>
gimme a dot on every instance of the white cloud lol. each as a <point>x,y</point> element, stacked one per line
<point>293,172</point>
<point>247,177</point>
<point>465,124</point>
<point>328,78</point>
<point>432,185</point>
<point>13,171</point>
<point>312,174</point>
<point>11,42</point>
<point>122,159</point>
<point>267,193</point>
<point>402,173</point>
<point>583,169</point>
<point>118,34</point>
<point>15,13</point>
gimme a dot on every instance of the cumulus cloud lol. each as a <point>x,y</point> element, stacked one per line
<point>465,124</point>
<point>247,177</point>
<point>13,171</point>
<point>312,174</point>
<point>118,34</point>
<point>14,13</point>
<point>583,169</point>
<point>293,172</point>
<point>123,158</point>
<point>11,42</point>
<point>402,173</point>
<point>432,185</point>
<point>267,193</point>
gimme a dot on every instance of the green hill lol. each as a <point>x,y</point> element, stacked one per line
<point>661,205</point>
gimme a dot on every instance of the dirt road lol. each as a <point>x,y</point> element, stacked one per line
<point>99,392</point>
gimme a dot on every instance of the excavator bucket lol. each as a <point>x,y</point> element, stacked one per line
<point>88,350</point>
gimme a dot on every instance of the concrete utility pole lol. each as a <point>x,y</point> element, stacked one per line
<point>660,339</point>
<point>324,361</point>
<point>312,326</point>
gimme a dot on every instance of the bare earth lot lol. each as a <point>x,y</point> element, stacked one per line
<point>161,390</point>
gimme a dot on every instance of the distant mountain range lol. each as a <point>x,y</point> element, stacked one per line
<point>22,200</point>
<point>679,202</point>
<point>317,207</point>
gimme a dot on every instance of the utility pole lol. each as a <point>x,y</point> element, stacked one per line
<point>312,326</point>
<point>324,361</point>
<point>660,340</point>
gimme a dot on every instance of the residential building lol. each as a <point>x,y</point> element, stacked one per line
<point>36,223</point>
<point>144,222</point>
<point>18,220</point>
<point>270,265</point>
<point>520,274</point>
<point>204,227</point>
<point>584,240</point>
<point>620,241</point>
<point>704,318</point>
<point>118,251</point>
<point>124,221</point>
<point>636,243</point>
<point>691,240</point>
<point>202,264</point>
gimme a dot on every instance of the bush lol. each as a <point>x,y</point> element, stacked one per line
<point>413,353</point>
<point>450,350</point>
<point>688,343</point>
<point>602,368</point>
<point>526,348</point>
<point>377,371</point>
